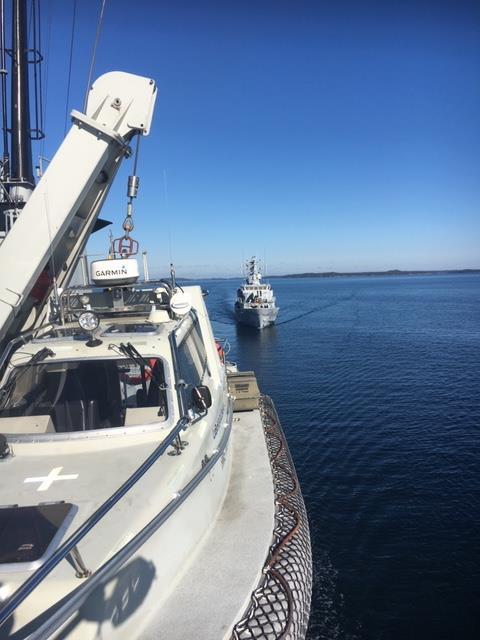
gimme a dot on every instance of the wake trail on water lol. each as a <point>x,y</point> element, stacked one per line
<point>229,321</point>
<point>316,309</point>
<point>327,617</point>
<point>229,318</point>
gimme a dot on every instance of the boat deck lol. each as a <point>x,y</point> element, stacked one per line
<point>210,596</point>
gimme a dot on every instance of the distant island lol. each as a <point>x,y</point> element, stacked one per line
<point>345,274</point>
<point>391,272</point>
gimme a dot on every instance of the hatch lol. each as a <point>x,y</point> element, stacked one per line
<point>29,534</point>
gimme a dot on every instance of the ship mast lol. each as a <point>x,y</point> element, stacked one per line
<point>3,89</point>
<point>21,171</point>
<point>17,177</point>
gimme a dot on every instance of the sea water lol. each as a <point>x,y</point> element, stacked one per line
<point>376,381</point>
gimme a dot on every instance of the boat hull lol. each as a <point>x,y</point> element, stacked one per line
<point>258,317</point>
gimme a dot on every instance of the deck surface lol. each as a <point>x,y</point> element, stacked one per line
<point>215,589</point>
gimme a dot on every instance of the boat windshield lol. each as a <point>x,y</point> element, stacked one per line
<point>88,394</point>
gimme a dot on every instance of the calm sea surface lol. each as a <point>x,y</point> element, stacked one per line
<point>377,382</point>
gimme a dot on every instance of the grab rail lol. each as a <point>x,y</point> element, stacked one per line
<point>42,572</point>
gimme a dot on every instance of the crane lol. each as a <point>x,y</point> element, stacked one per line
<point>44,244</point>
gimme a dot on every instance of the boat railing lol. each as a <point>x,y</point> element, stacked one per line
<point>70,545</point>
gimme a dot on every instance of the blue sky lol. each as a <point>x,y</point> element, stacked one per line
<point>327,135</point>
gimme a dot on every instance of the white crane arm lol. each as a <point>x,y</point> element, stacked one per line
<point>58,218</point>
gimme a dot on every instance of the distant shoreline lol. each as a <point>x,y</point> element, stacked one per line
<point>391,272</point>
<point>350,274</point>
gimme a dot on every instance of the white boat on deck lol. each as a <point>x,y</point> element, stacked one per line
<point>255,304</point>
<point>146,486</point>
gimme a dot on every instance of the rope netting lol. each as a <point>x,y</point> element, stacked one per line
<point>279,607</point>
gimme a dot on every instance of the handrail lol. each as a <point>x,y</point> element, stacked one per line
<point>50,563</point>
<point>111,566</point>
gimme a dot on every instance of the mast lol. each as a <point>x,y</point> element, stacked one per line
<point>17,179</point>
<point>21,170</point>
<point>3,88</point>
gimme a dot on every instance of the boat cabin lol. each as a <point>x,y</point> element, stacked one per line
<point>135,368</point>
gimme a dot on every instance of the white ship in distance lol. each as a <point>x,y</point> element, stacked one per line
<point>256,304</point>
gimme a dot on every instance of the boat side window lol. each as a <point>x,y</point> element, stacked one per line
<point>192,362</point>
<point>85,394</point>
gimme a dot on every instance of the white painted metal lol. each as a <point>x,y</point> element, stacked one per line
<point>105,273</point>
<point>180,303</point>
<point>146,276</point>
<point>84,269</point>
<point>59,215</point>
<point>228,562</point>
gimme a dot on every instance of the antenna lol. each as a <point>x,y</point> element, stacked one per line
<point>169,228</point>
<point>146,275</point>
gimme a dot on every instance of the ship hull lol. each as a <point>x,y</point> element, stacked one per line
<point>256,317</point>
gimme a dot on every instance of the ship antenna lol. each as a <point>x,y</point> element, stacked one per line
<point>169,227</point>
<point>111,250</point>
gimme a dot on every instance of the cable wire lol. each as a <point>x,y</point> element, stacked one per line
<point>94,53</point>
<point>72,39</point>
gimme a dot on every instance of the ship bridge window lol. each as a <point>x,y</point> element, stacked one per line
<point>86,394</point>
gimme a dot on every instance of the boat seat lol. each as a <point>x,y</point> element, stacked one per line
<point>93,415</point>
<point>141,398</point>
<point>102,388</point>
<point>69,414</point>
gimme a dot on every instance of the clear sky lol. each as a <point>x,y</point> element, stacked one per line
<point>327,135</point>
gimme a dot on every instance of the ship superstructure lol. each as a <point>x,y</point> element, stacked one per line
<point>255,304</point>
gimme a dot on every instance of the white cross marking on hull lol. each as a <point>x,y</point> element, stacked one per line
<point>53,476</point>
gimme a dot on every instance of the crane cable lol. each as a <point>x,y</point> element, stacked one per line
<point>94,52</point>
<point>72,38</point>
